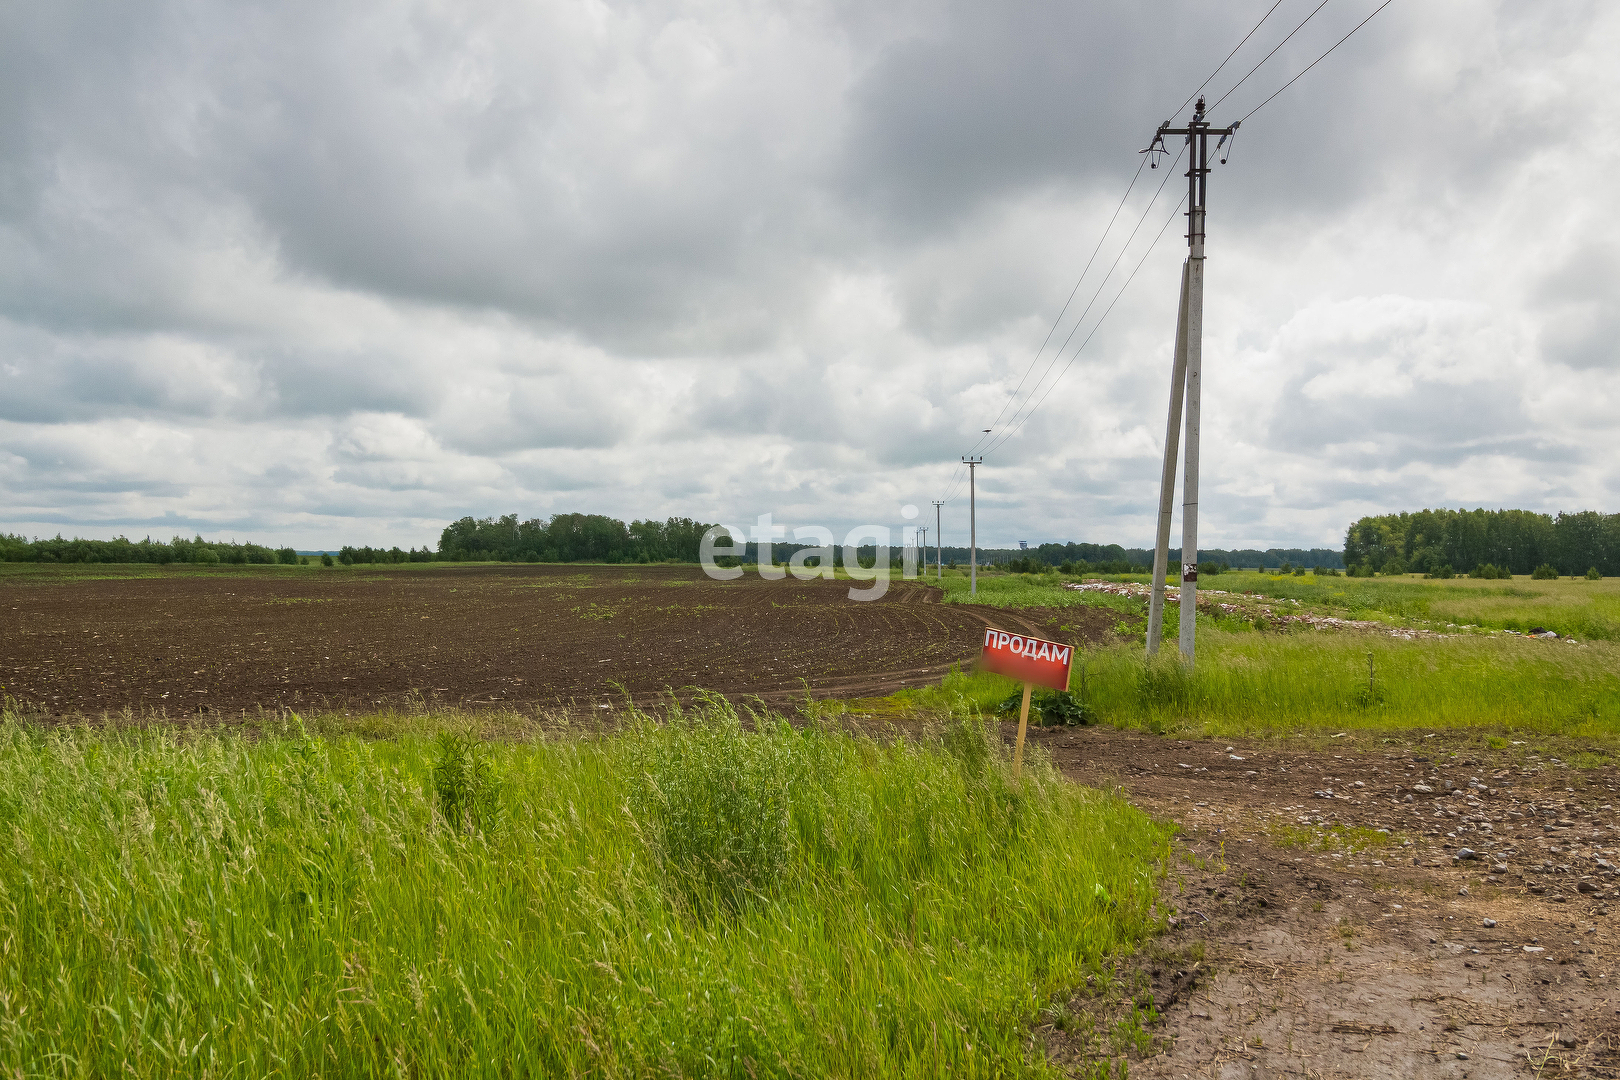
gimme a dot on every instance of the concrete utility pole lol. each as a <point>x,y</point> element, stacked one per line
<point>973,525</point>
<point>1167,479</point>
<point>939,542</point>
<point>1186,382</point>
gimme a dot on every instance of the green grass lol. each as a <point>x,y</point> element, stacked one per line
<point>1248,683</point>
<point>1034,590</point>
<point>694,899</point>
<point>1263,682</point>
<point>1345,839</point>
<point>1586,610</point>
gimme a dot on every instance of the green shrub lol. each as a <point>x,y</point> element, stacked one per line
<point>1299,571</point>
<point>205,556</point>
<point>1545,572</point>
<point>1062,707</point>
<point>1048,707</point>
<point>1594,574</point>
<point>466,790</point>
<point>1443,572</point>
<point>287,556</point>
<point>713,805</point>
<point>1325,571</point>
<point>326,558</point>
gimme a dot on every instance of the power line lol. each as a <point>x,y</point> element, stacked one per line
<point>1013,429</point>
<point>1228,59</point>
<point>1269,55</point>
<point>1094,329</point>
<point>954,483</point>
<point>1100,286</point>
<point>1027,409</point>
<point>1318,60</point>
<point>1058,321</point>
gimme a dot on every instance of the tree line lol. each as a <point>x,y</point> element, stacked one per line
<point>1099,556</point>
<point>123,550</point>
<point>1427,541</point>
<point>1442,542</point>
<point>563,538</point>
<point>572,538</point>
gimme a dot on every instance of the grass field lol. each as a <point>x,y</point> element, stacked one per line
<point>1254,682</point>
<point>1573,607</point>
<point>694,899</point>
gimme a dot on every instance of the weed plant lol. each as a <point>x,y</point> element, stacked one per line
<point>704,897</point>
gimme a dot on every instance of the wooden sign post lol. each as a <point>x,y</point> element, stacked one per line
<point>1034,661</point>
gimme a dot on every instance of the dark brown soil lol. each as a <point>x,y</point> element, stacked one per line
<point>1325,962</point>
<point>180,643</point>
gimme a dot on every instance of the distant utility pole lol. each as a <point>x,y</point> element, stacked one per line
<point>1186,384</point>
<point>973,525</point>
<point>922,542</point>
<point>939,540</point>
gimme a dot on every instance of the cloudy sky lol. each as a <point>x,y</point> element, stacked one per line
<point>320,273</point>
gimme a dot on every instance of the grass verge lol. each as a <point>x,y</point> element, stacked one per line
<point>698,898</point>
<point>1572,607</point>
<point>1248,683</point>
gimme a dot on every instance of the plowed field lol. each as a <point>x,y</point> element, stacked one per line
<point>183,642</point>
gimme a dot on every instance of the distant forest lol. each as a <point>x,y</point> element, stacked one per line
<point>572,538</point>
<point>1431,541</point>
<point>120,550</point>
<point>1113,559</point>
<point>1428,541</point>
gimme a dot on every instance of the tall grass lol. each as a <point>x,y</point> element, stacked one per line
<point>1253,683</point>
<point>694,899</point>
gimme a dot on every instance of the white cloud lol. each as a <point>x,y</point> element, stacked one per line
<point>327,275</point>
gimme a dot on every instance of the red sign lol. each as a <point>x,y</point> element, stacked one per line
<point>1027,659</point>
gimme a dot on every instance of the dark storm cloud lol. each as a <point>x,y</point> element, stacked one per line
<point>984,101</point>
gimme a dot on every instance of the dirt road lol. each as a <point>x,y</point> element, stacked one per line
<point>1472,939</point>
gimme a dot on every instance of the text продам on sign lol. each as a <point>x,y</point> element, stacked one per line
<point>1027,659</point>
